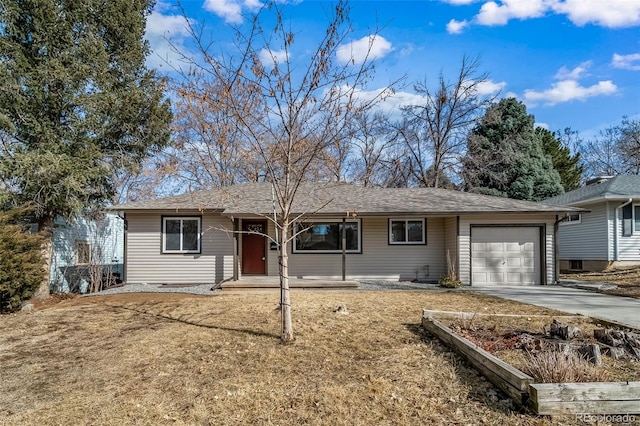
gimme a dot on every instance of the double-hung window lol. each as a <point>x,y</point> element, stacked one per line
<point>627,220</point>
<point>407,231</point>
<point>326,237</point>
<point>181,234</point>
<point>630,220</point>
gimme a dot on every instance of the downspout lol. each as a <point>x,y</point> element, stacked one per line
<point>236,230</point>
<point>125,224</point>
<point>615,228</point>
<point>556,248</point>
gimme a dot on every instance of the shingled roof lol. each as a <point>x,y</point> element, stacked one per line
<point>341,198</point>
<point>615,188</point>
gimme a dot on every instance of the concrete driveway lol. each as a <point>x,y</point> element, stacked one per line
<point>622,310</point>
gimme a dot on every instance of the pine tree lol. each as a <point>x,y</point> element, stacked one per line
<point>505,156</point>
<point>568,166</point>
<point>77,104</point>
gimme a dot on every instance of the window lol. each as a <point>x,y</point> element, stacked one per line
<point>636,218</point>
<point>407,231</point>
<point>627,220</point>
<point>572,218</point>
<point>575,265</point>
<point>83,252</point>
<point>326,237</point>
<point>181,235</point>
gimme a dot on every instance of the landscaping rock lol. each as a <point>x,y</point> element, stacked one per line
<point>27,307</point>
<point>564,331</point>
<point>342,309</point>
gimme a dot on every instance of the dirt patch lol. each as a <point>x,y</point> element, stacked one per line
<point>184,359</point>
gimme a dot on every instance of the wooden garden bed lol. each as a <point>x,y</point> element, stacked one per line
<point>541,398</point>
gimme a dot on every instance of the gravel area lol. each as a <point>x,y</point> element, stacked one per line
<point>204,289</point>
<point>210,290</point>
<point>396,285</point>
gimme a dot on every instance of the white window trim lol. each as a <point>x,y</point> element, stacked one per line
<point>181,218</point>
<point>318,222</point>
<point>406,220</point>
<point>568,221</point>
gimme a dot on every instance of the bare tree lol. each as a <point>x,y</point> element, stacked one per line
<point>373,145</point>
<point>304,103</point>
<point>209,148</point>
<point>614,151</point>
<point>435,131</point>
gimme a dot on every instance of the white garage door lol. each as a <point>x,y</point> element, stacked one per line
<point>505,255</point>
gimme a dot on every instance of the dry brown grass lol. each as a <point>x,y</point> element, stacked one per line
<point>558,367</point>
<point>186,360</point>
<point>627,280</point>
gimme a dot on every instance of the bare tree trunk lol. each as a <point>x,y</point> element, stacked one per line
<point>285,308</point>
<point>46,230</point>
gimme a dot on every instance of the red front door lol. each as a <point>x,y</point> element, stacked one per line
<point>254,247</point>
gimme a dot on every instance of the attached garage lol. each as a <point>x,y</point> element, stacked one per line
<point>506,255</point>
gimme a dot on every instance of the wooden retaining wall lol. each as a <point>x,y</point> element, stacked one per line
<point>588,398</point>
<point>510,380</point>
<point>542,398</point>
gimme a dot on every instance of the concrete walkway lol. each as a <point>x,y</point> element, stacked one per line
<point>622,310</point>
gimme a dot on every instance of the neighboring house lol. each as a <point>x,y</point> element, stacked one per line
<point>86,251</point>
<point>609,233</point>
<point>399,234</point>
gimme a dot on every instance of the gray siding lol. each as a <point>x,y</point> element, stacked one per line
<point>146,264</point>
<point>587,240</point>
<point>533,219</point>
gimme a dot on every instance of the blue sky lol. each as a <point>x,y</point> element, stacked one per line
<point>574,63</point>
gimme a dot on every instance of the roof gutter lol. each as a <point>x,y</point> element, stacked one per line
<point>615,229</point>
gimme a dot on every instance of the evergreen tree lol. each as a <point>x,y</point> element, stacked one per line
<point>505,156</point>
<point>20,262</point>
<point>77,104</point>
<point>568,166</point>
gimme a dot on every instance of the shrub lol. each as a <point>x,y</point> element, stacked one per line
<point>450,280</point>
<point>21,263</point>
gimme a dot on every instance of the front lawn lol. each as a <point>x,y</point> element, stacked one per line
<point>179,359</point>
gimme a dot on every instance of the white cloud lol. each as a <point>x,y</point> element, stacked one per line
<point>607,13</point>
<point>578,72</point>
<point>231,10</point>
<point>492,13</point>
<point>269,57</point>
<point>407,50</point>
<point>166,34</point>
<point>627,62</point>
<point>490,87</point>
<point>569,90</point>
<point>368,47</point>
<point>541,125</point>
<point>456,27</point>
